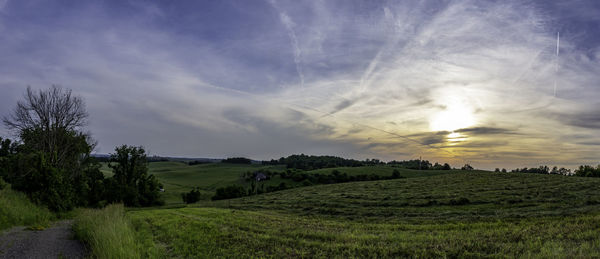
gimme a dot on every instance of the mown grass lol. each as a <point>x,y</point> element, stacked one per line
<point>458,196</point>
<point>17,210</point>
<point>109,233</point>
<point>216,232</point>
<point>474,214</point>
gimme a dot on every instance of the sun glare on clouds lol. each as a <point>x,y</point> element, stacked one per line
<point>455,116</point>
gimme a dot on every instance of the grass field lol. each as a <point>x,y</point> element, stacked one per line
<point>461,214</point>
<point>178,177</point>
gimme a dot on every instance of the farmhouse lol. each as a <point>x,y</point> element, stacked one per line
<point>258,176</point>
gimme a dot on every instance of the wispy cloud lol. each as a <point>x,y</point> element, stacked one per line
<point>358,79</point>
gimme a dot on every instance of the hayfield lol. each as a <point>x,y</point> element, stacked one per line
<point>460,214</point>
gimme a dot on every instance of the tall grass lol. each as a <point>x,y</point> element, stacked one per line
<point>110,234</point>
<point>17,210</point>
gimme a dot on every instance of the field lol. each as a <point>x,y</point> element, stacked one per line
<point>178,177</point>
<point>456,214</point>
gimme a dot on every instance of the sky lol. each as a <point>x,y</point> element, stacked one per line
<point>489,83</point>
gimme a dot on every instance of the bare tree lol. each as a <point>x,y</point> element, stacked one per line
<point>44,117</point>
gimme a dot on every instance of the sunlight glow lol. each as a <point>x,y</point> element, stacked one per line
<point>455,116</point>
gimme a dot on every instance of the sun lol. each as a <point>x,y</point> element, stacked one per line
<point>455,116</point>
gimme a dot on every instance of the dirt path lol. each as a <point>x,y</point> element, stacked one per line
<point>54,242</point>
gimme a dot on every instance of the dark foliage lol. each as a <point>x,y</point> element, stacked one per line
<point>588,171</point>
<point>466,167</point>
<point>131,183</point>
<point>192,196</point>
<point>229,192</point>
<point>413,164</point>
<point>2,183</point>
<point>237,160</point>
<point>196,162</point>
<point>305,162</point>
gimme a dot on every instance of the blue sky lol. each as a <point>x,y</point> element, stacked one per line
<point>458,81</point>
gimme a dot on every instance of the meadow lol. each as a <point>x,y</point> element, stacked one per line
<point>179,177</point>
<point>451,214</point>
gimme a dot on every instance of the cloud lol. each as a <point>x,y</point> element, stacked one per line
<point>355,79</point>
<point>485,131</point>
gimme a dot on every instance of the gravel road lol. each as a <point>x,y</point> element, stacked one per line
<point>54,242</point>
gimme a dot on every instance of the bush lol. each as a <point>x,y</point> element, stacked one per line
<point>229,192</point>
<point>3,184</point>
<point>191,197</point>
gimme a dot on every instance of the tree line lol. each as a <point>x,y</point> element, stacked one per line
<point>306,162</point>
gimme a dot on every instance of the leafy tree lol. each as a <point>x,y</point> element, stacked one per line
<point>51,121</point>
<point>588,171</point>
<point>52,162</point>
<point>131,183</point>
<point>446,167</point>
<point>467,167</point>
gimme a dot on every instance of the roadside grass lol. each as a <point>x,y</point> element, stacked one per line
<point>109,233</point>
<point>17,210</point>
<point>216,232</point>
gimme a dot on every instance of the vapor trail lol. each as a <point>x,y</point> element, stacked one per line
<point>289,27</point>
<point>556,62</point>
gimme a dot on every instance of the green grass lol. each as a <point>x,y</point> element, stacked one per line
<point>490,196</point>
<point>17,210</point>
<point>506,215</point>
<point>214,232</point>
<point>178,177</point>
<point>110,234</point>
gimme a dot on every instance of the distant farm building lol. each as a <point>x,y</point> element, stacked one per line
<point>258,176</point>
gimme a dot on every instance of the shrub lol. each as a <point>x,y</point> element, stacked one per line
<point>192,196</point>
<point>229,192</point>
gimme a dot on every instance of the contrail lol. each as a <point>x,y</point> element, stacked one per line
<point>289,26</point>
<point>556,63</point>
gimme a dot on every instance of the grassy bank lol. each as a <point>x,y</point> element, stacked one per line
<point>110,234</point>
<point>17,210</point>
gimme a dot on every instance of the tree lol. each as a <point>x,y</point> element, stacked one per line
<point>131,183</point>
<point>52,162</point>
<point>192,196</point>
<point>467,167</point>
<point>51,121</point>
